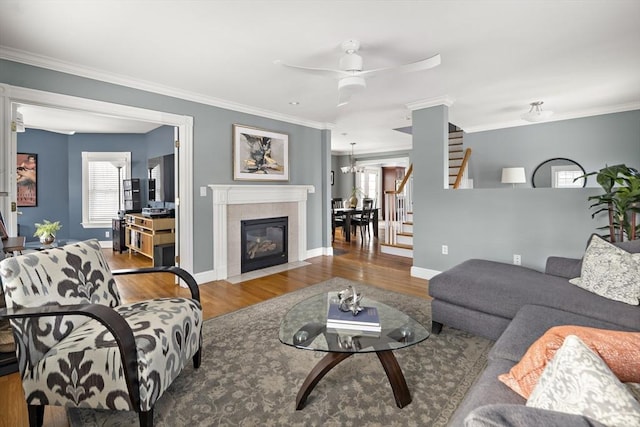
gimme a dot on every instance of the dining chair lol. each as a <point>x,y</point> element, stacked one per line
<point>78,345</point>
<point>364,219</point>
<point>337,219</point>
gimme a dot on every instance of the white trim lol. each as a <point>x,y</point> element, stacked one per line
<point>224,195</point>
<point>424,273</point>
<point>312,253</point>
<point>398,161</point>
<point>89,156</point>
<point>185,123</point>
<point>205,277</point>
<point>432,102</point>
<point>146,85</point>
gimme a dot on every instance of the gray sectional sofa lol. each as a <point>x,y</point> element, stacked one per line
<point>515,305</point>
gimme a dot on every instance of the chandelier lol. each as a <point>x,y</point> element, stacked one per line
<point>536,114</point>
<point>352,168</point>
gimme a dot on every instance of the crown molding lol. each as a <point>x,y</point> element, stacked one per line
<point>42,61</point>
<point>432,102</point>
<point>600,111</point>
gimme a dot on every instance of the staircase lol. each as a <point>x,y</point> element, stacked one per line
<point>398,238</point>
<point>398,233</point>
<point>403,245</point>
<point>458,158</point>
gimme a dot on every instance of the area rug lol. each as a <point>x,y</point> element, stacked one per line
<point>248,378</point>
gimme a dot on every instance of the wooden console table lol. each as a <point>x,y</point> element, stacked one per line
<point>144,234</point>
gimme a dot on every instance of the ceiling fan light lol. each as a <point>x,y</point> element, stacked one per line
<point>351,62</point>
<point>352,83</point>
<point>536,114</point>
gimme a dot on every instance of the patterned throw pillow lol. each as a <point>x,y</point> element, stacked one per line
<point>577,381</point>
<point>618,349</point>
<point>610,272</point>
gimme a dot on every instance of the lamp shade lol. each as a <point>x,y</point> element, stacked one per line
<point>513,176</point>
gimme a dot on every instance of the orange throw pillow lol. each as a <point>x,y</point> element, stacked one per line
<point>619,350</point>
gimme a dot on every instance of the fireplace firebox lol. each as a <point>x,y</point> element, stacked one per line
<point>263,243</point>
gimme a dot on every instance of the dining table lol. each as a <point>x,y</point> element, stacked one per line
<point>348,213</point>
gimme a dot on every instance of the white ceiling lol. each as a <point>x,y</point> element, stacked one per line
<point>579,57</point>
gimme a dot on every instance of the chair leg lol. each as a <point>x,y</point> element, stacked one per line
<point>36,415</point>
<point>146,418</point>
<point>197,358</point>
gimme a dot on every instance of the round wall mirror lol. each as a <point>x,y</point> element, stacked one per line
<point>558,173</point>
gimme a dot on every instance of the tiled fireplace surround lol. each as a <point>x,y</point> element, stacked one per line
<point>234,203</point>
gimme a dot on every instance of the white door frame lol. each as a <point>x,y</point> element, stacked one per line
<point>10,94</point>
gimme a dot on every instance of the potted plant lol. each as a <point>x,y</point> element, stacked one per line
<point>353,200</point>
<point>621,200</point>
<point>47,231</point>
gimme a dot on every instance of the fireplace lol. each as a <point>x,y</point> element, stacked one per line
<point>263,243</point>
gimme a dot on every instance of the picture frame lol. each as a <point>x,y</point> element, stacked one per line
<point>259,154</point>
<point>332,178</point>
<point>27,179</point>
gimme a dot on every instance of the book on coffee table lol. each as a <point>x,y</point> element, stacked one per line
<point>366,320</point>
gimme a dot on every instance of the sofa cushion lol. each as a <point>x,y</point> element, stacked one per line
<point>502,289</point>
<point>522,416</point>
<point>618,349</point>
<point>610,271</point>
<point>532,321</point>
<point>574,381</point>
<point>487,390</point>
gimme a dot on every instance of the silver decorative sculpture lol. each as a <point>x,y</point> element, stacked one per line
<point>350,300</point>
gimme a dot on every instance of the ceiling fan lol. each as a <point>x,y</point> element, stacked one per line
<point>351,76</point>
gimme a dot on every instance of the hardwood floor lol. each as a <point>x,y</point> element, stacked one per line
<point>351,260</point>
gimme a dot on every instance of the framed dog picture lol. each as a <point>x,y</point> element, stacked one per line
<point>26,178</point>
<point>260,155</point>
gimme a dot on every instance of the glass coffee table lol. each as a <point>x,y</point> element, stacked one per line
<point>305,327</point>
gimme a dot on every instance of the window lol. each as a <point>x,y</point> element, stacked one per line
<point>367,181</point>
<point>102,175</point>
<point>566,176</point>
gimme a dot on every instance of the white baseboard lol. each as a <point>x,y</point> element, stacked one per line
<point>205,277</point>
<point>311,253</point>
<point>106,244</point>
<point>423,273</point>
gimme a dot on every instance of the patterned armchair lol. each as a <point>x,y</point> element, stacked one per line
<point>78,345</point>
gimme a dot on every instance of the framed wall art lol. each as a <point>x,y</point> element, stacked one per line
<point>27,179</point>
<point>260,155</point>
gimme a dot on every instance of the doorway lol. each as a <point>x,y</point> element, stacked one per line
<point>11,96</point>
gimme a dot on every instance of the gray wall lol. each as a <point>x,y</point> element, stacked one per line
<point>309,149</point>
<point>52,182</point>
<point>496,223</point>
<point>135,143</point>
<point>592,142</point>
<point>343,182</point>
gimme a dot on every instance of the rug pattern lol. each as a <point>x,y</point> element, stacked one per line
<point>248,378</point>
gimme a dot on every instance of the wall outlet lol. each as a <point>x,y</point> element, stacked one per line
<point>445,250</point>
<point>106,234</point>
<point>517,260</point>
<point>203,191</point>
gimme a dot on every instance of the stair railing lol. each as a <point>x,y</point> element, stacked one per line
<point>397,205</point>
<point>462,172</point>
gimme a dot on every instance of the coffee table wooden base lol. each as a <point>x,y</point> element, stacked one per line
<point>327,363</point>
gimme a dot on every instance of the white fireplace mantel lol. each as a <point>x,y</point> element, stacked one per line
<point>224,195</point>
